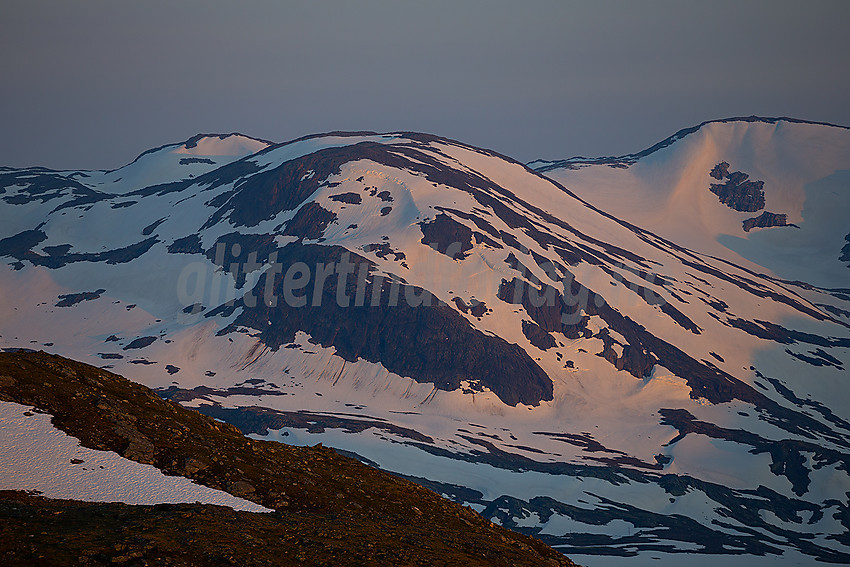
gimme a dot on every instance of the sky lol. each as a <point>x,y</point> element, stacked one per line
<point>91,84</point>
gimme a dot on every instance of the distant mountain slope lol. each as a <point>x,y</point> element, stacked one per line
<point>799,170</point>
<point>329,508</point>
<point>450,315</point>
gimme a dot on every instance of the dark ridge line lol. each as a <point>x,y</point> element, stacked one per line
<point>414,136</point>
<point>338,133</point>
<point>782,283</point>
<point>554,164</point>
<point>748,119</point>
<point>193,141</point>
<point>631,158</point>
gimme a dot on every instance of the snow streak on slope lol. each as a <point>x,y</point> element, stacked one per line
<point>448,314</point>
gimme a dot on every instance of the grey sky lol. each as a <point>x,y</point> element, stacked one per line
<point>91,84</point>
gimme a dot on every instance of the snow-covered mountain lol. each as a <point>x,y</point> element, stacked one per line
<point>795,172</point>
<point>614,355</point>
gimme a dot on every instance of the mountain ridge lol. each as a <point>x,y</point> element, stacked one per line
<point>510,338</point>
<point>547,165</point>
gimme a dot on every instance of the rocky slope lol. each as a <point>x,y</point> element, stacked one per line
<point>328,509</point>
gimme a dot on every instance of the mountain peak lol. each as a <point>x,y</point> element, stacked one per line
<point>233,144</point>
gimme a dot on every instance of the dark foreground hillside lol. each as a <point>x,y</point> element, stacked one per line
<point>329,509</point>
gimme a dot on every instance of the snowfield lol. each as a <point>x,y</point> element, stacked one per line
<point>35,456</point>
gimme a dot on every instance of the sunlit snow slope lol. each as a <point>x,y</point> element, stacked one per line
<point>804,171</point>
<point>609,360</point>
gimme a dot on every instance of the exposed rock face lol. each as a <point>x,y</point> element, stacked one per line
<point>447,236</point>
<point>765,220</point>
<point>720,171</point>
<point>537,336</point>
<point>69,299</point>
<point>407,329</point>
<point>191,160</point>
<point>310,222</point>
<point>845,252</point>
<point>141,342</point>
<point>20,247</point>
<point>737,192</point>
<point>350,198</point>
<point>475,308</point>
<point>186,245</point>
<point>384,250</point>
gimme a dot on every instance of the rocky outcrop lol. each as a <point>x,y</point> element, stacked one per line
<point>447,236</point>
<point>350,198</point>
<point>766,220</point>
<point>537,336</point>
<point>475,308</point>
<point>738,192</point>
<point>20,247</point>
<point>70,299</point>
<point>309,222</point>
<point>187,245</point>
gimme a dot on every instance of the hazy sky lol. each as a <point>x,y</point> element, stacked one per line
<point>91,84</point>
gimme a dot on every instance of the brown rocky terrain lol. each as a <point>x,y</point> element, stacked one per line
<point>329,509</point>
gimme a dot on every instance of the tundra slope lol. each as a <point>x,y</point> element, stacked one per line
<point>318,507</point>
<point>573,373</point>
